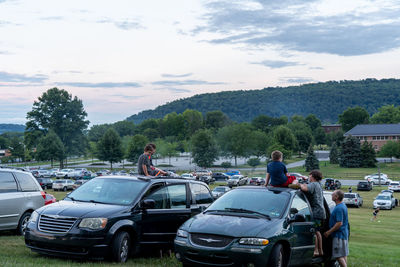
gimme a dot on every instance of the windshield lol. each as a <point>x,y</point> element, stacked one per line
<point>219,189</point>
<point>349,196</point>
<point>383,197</point>
<point>109,191</point>
<point>235,177</point>
<point>261,201</point>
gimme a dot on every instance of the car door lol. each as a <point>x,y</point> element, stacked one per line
<point>303,241</point>
<point>159,224</point>
<point>11,201</point>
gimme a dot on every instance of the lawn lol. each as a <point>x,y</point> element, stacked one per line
<point>371,243</point>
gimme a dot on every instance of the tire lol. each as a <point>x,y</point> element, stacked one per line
<point>23,221</point>
<point>120,247</point>
<point>65,189</point>
<point>277,256</point>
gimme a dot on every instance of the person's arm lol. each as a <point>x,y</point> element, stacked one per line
<point>303,187</point>
<point>144,167</point>
<point>333,229</point>
<point>267,179</point>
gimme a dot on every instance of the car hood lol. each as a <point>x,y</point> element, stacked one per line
<point>237,226</point>
<point>81,209</point>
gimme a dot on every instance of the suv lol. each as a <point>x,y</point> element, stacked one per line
<point>364,185</point>
<point>20,195</point>
<point>63,185</point>
<point>353,199</point>
<point>115,215</point>
<point>384,201</point>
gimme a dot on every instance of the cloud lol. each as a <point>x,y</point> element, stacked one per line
<point>316,68</point>
<point>101,85</point>
<point>166,75</point>
<point>174,90</point>
<point>296,80</point>
<point>289,24</point>
<point>127,24</point>
<point>52,18</point>
<point>276,64</point>
<point>185,82</point>
<point>17,78</point>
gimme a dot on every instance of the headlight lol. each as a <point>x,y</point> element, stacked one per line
<point>182,233</point>
<point>253,241</point>
<point>34,217</point>
<point>93,223</point>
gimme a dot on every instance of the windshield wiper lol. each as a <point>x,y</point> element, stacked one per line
<point>248,211</point>
<point>98,202</point>
<point>213,211</point>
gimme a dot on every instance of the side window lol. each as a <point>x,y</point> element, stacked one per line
<point>26,182</point>
<point>7,183</point>
<point>160,196</point>
<point>302,206</point>
<point>177,196</point>
<point>201,194</point>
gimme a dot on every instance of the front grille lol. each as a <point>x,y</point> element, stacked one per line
<point>55,224</point>
<point>205,240</point>
<point>381,203</point>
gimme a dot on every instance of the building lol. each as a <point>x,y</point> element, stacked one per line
<point>332,128</point>
<point>377,134</point>
<point>5,153</point>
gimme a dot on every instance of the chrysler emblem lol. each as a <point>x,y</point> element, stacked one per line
<point>209,240</point>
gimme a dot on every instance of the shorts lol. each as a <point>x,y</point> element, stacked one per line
<point>340,248</point>
<point>289,180</point>
<point>318,224</point>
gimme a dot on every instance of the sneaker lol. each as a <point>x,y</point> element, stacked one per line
<point>294,186</point>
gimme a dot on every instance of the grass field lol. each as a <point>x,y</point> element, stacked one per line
<point>371,243</point>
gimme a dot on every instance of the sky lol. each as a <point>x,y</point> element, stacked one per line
<point>121,57</point>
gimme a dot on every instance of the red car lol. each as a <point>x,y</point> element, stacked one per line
<point>49,199</point>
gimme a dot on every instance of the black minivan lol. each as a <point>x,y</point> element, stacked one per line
<point>112,216</point>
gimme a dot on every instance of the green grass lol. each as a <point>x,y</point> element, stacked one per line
<point>371,243</point>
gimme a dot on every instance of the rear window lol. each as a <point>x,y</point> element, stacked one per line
<point>349,196</point>
<point>26,182</point>
<point>7,183</point>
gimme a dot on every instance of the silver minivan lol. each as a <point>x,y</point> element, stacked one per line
<point>20,195</point>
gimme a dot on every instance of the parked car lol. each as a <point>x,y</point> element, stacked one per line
<point>20,195</point>
<point>200,173</point>
<point>220,176</point>
<point>188,176</point>
<point>219,191</point>
<point>114,216</point>
<point>54,171</point>
<point>384,201</point>
<point>262,181</point>
<point>45,183</point>
<point>332,184</point>
<point>35,173</point>
<point>253,226</point>
<point>43,174</point>
<point>49,199</point>
<point>299,177</point>
<point>64,173</point>
<point>103,172</point>
<point>394,186</point>
<point>364,186</point>
<point>232,172</point>
<point>353,199</point>
<point>63,185</point>
<point>234,180</point>
<point>376,175</point>
<point>254,180</point>
<point>206,179</point>
<point>383,180</point>
<point>78,183</point>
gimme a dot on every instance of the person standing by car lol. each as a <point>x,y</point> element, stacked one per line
<point>315,196</point>
<point>338,224</point>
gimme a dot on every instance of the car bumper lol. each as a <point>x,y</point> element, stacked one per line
<point>72,244</point>
<point>231,255</point>
<point>386,206</point>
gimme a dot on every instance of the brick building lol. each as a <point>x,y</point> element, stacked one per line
<point>378,134</point>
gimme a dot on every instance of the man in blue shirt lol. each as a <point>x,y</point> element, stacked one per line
<point>339,229</point>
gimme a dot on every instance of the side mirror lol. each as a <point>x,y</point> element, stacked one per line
<point>148,204</point>
<point>293,211</point>
<point>299,218</point>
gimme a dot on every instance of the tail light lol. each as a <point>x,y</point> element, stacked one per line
<point>43,194</point>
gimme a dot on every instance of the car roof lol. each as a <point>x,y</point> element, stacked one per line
<point>269,188</point>
<point>150,179</point>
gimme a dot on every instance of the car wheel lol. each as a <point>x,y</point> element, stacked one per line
<point>276,259</point>
<point>23,222</point>
<point>65,188</point>
<point>121,245</point>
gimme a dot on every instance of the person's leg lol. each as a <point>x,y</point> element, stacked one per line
<point>342,262</point>
<point>318,243</point>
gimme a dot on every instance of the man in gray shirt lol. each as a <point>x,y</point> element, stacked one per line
<point>144,164</point>
<point>315,196</point>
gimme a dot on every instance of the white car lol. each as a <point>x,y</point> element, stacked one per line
<point>375,180</point>
<point>63,185</point>
<point>65,173</point>
<point>384,201</point>
<point>377,175</point>
<point>394,186</point>
<point>188,176</point>
<point>353,199</point>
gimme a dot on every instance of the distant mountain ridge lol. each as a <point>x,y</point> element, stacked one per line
<point>326,100</point>
<point>7,127</point>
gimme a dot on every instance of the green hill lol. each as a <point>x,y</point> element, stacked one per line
<point>326,100</point>
<point>4,127</point>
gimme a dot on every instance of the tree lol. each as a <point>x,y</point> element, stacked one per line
<point>109,147</point>
<point>335,137</point>
<point>368,155</point>
<point>390,149</point>
<point>173,125</point>
<point>387,114</point>
<point>204,149</point>
<point>56,110</point>
<point>226,165</point>
<point>253,162</point>
<point>167,149</point>
<point>4,142</point>
<point>261,142</point>
<point>350,156</point>
<point>334,154</point>
<point>193,121</point>
<point>136,147</point>
<point>319,136</point>
<point>353,116</point>
<point>50,148</point>
<point>124,128</point>
<point>304,139</point>
<point>266,123</point>
<point>287,154</point>
<point>216,119</point>
<point>17,148</point>
<point>313,122</point>
<point>97,131</point>
<point>311,163</point>
<point>284,136</point>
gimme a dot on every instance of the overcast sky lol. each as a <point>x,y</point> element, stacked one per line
<point>121,56</point>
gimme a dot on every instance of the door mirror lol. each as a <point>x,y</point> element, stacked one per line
<point>297,218</point>
<point>148,204</point>
<point>293,211</point>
